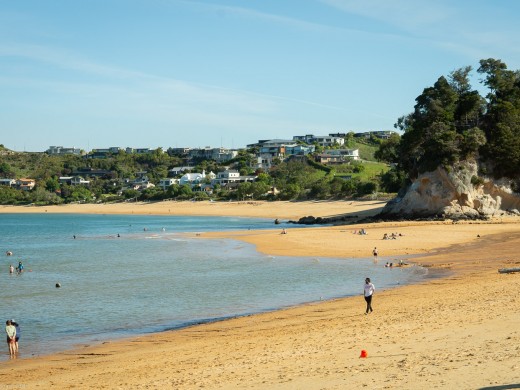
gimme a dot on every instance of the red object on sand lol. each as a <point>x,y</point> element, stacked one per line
<point>364,354</point>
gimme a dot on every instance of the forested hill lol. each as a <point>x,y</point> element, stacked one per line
<point>453,127</point>
<point>122,176</point>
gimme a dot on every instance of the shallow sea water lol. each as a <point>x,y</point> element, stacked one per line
<point>153,277</point>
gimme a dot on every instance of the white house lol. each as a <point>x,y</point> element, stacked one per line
<point>227,176</point>
<point>231,176</point>
<point>346,153</point>
<point>195,178</point>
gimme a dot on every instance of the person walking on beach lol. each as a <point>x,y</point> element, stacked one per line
<point>368,292</point>
<point>10,330</point>
<point>375,253</point>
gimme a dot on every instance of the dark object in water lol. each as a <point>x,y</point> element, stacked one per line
<point>58,285</point>
<point>508,270</point>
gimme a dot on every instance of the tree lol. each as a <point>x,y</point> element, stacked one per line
<point>5,170</point>
<point>438,130</point>
<point>244,190</point>
<point>52,184</point>
<point>502,119</point>
<point>185,192</point>
<point>79,193</point>
<point>42,196</point>
<point>388,150</point>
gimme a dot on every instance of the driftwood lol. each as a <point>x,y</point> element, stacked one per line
<point>508,270</point>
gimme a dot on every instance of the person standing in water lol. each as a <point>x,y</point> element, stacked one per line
<point>368,292</point>
<point>10,330</point>
<point>375,253</point>
<point>18,333</point>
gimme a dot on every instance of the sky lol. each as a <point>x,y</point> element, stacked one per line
<point>181,73</point>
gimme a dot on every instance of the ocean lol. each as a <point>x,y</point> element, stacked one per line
<point>128,275</point>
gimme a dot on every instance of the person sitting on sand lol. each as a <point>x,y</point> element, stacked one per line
<point>385,236</point>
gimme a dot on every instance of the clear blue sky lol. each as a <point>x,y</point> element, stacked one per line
<point>160,73</point>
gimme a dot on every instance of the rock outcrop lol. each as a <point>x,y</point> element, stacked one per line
<point>455,193</point>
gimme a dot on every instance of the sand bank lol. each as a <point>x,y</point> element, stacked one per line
<point>462,331</point>
<point>282,210</point>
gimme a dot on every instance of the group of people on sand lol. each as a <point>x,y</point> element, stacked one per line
<point>392,236</point>
<point>12,329</point>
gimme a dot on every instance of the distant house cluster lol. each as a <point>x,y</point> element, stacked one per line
<point>267,153</point>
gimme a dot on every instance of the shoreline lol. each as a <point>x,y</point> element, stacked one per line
<point>262,209</point>
<point>317,344</point>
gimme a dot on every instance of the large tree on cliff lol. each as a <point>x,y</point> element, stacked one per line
<point>502,120</point>
<point>444,126</point>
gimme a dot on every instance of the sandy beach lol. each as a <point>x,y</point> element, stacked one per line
<point>461,331</point>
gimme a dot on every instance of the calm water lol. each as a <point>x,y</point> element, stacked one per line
<point>152,277</point>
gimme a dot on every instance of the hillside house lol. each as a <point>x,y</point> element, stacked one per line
<point>104,153</point>
<point>25,184</point>
<point>216,154</point>
<point>93,173</point>
<point>337,156</point>
<point>178,170</point>
<point>278,149</point>
<point>194,179</point>
<point>60,150</point>
<point>322,140</point>
<point>8,182</point>
<point>167,182</point>
<point>141,183</point>
<point>231,176</point>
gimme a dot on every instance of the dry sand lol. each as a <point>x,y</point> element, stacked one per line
<point>459,332</point>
